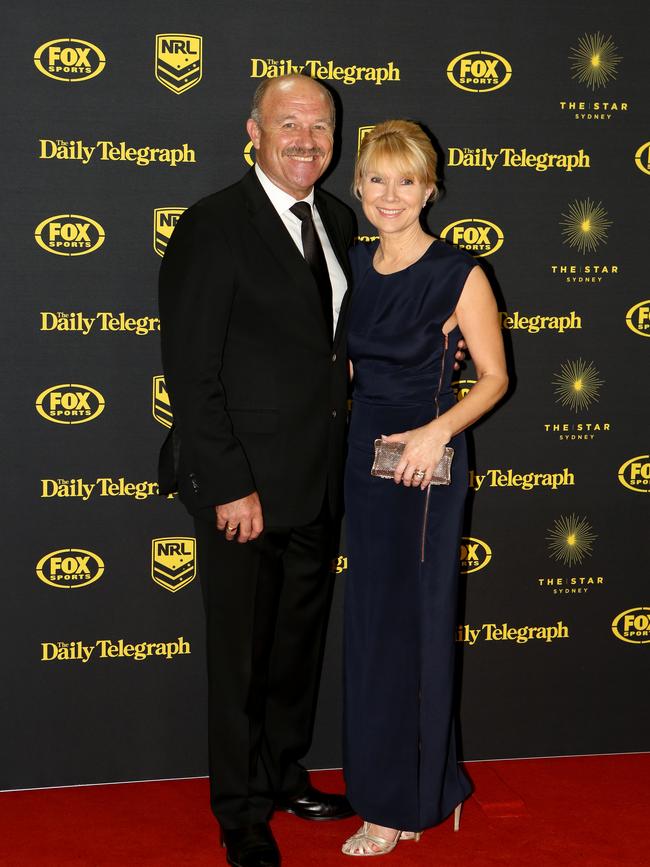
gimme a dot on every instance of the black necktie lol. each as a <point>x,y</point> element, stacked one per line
<point>315,258</point>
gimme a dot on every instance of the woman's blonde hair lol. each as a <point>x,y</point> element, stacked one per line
<point>403,143</point>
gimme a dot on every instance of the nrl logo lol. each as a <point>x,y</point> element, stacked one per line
<point>178,60</point>
<point>161,408</point>
<point>362,133</point>
<point>173,561</point>
<point>164,223</point>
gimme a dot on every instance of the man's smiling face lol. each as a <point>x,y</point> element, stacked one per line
<point>294,138</point>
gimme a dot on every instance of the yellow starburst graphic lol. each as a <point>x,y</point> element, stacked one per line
<point>570,540</point>
<point>594,62</point>
<point>577,384</point>
<point>585,225</point>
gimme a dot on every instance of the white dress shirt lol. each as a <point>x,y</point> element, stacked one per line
<point>282,203</point>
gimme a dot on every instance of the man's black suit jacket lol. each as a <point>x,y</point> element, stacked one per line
<point>257,390</point>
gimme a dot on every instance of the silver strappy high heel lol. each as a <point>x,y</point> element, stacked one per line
<point>363,843</point>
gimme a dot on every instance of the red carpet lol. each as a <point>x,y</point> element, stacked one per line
<point>591,811</point>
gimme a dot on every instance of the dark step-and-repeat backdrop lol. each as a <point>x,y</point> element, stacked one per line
<point>120,116</point>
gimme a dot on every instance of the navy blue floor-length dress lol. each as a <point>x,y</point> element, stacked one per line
<point>400,759</point>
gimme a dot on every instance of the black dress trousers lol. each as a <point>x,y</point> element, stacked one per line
<point>267,605</point>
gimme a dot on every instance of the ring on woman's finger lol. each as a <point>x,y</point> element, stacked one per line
<point>419,474</point>
<point>231,529</point>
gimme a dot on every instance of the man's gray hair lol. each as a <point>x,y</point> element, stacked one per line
<point>263,86</point>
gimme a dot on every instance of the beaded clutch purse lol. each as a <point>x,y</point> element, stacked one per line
<point>388,454</point>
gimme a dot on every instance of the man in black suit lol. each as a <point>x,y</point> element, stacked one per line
<point>253,298</point>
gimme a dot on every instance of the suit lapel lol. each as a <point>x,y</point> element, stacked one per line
<point>273,233</point>
<point>266,220</point>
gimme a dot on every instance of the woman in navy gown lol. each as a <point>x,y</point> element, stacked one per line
<point>413,297</point>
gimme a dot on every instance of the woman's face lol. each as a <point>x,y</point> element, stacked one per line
<point>392,200</point>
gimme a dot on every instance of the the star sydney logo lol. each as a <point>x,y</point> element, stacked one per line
<point>577,385</point>
<point>594,60</point>
<point>570,540</point>
<point>585,225</point>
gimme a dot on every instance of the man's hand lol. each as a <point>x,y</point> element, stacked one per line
<point>241,519</point>
<point>461,353</point>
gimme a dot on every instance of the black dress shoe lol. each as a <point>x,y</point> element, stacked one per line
<point>315,805</point>
<point>252,846</point>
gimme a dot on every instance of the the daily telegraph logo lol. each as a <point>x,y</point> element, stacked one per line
<point>477,236</point>
<point>69,59</point>
<point>104,486</point>
<point>160,404</point>
<point>468,634</point>
<point>637,318</point>
<point>479,71</point>
<point>633,625</point>
<point>70,403</point>
<point>109,151</point>
<point>634,474</point>
<point>78,322</point>
<point>475,554</point>
<point>69,235</point>
<point>593,65</point>
<point>508,478</point>
<point>173,561</point>
<point>642,158</point>
<point>178,62</point>
<point>516,158</point>
<point>164,223</point>
<point>70,568</point>
<point>324,70</point>
<point>108,648</point>
<point>534,323</point>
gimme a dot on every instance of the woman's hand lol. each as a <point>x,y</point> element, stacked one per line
<point>461,354</point>
<point>424,450</point>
